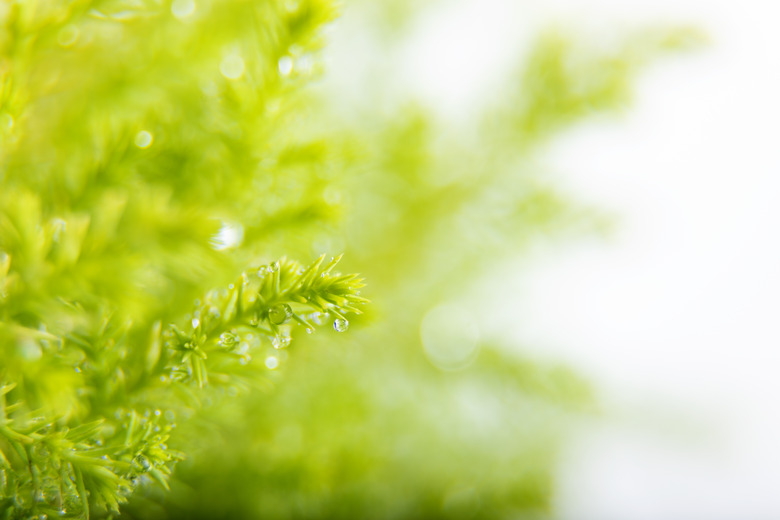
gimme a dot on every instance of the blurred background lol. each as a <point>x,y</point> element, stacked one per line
<point>564,211</point>
<point>672,315</point>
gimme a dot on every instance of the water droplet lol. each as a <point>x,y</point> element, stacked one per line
<point>195,323</point>
<point>309,330</point>
<point>280,314</point>
<point>163,379</point>
<point>261,272</point>
<point>157,412</point>
<point>340,325</point>
<point>319,317</point>
<point>181,9</point>
<point>272,362</point>
<point>245,359</point>
<point>170,415</point>
<point>232,66</point>
<point>280,342</point>
<point>143,462</point>
<point>214,313</point>
<point>40,496</point>
<point>143,139</point>
<point>285,65</point>
<point>43,517</point>
<point>254,320</point>
<point>228,339</point>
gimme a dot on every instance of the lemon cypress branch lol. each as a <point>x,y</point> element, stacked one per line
<point>266,299</point>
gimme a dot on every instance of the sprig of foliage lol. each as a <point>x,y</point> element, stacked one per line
<point>55,466</point>
<point>135,137</point>
<point>269,300</point>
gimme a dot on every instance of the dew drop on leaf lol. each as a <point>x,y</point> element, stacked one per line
<point>280,314</point>
<point>280,342</point>
<point>340,325</point>
<point>143,462</point>
<point>227,339</point>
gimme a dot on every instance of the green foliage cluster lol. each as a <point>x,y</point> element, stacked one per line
<point>128,142</point>
<point>150,152</point>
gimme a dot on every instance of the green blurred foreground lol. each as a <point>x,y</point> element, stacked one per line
<point>154,154</point>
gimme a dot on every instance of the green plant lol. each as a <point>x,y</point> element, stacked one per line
<point>136,177</point>
<point>157,161</point>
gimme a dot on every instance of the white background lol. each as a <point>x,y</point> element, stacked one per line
<point>676,316</point>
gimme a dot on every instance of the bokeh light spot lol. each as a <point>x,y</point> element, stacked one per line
<point>232,66</point>
<point>285,65</point>
<point>181,9</point>
<point>450,337</point>
<point>143,139</point>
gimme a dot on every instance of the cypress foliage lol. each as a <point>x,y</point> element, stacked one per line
<point>140,150</point>
<point>159,162</point>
